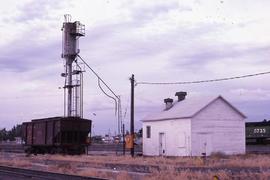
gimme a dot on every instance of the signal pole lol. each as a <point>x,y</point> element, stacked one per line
<point>124,142</point>
<point>132,81</point>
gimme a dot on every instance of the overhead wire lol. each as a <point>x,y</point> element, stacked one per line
<point>99,85</point>
<point>201,81</point>
<point>100,79</point>
<point>116,99</point>
<point>98,76</point>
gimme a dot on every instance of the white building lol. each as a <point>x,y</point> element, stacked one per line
<point>194,127</point>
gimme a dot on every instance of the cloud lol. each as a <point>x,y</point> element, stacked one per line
<point>27,55</point>
<point>148,11</point>
<point>208,53</point>
<point>37,10</point>
<point>156,40</point>
<point>254,110</point>
<point>257,94</point>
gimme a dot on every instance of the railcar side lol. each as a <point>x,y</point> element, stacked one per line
<point>57,135</point>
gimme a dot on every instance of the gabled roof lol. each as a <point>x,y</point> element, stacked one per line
<point>188,108</point>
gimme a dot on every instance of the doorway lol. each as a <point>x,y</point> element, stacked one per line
<point>205,144</point>
<point>162,148</point>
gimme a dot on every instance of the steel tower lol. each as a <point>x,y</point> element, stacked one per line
<point>73,74</point>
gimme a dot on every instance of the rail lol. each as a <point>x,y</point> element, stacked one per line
<point>19,173</point>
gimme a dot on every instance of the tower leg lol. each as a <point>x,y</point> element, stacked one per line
<point>69,87</point>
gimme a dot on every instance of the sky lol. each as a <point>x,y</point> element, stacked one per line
<point>157,41</point>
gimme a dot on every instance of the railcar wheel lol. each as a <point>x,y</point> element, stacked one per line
<point>52,150</point>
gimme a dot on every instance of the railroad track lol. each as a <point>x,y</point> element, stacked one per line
<point>94,149</point>
<point>110,149</point>
<point>134,170</point>
<point>14,148</point>
<point>12,173</point>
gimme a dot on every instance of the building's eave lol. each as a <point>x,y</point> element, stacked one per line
<point>165,119</point>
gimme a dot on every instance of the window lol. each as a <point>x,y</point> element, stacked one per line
<point>148,131</point>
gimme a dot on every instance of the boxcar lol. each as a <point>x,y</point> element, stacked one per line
<point>57,135</point>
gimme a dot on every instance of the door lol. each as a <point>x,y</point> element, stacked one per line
<point>205,143</point>
<point>182,149</point>
<point>162,148</point>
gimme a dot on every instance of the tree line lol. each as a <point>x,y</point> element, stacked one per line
<point>10,135</point>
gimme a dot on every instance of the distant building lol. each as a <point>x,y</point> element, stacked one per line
<point>18,140</point>
<point>107,139</point>
<point>194,127</point>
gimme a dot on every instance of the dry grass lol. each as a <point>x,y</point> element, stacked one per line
<point>95,166</point>
<point>122,175</point>
<point>249,160</point>
<point>153,161</point>
<point>20,163</point>
<point>222,175</point>
<point>166,175</point>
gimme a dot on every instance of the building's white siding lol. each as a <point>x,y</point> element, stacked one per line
<point>218,128</point>
<point>176,136</point>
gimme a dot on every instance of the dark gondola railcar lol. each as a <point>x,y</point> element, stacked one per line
<point>57,135</point>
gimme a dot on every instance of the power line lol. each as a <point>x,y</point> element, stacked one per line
<point>202,81</point>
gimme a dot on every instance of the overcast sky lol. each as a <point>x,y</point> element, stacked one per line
<point>158,41</point>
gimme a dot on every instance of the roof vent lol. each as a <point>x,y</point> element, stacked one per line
<point>169,103</point>
<point>181,95</point>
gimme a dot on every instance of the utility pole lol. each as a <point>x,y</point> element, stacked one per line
<point>132,81</point>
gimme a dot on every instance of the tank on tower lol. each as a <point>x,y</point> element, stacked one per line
<point>71,33</point>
